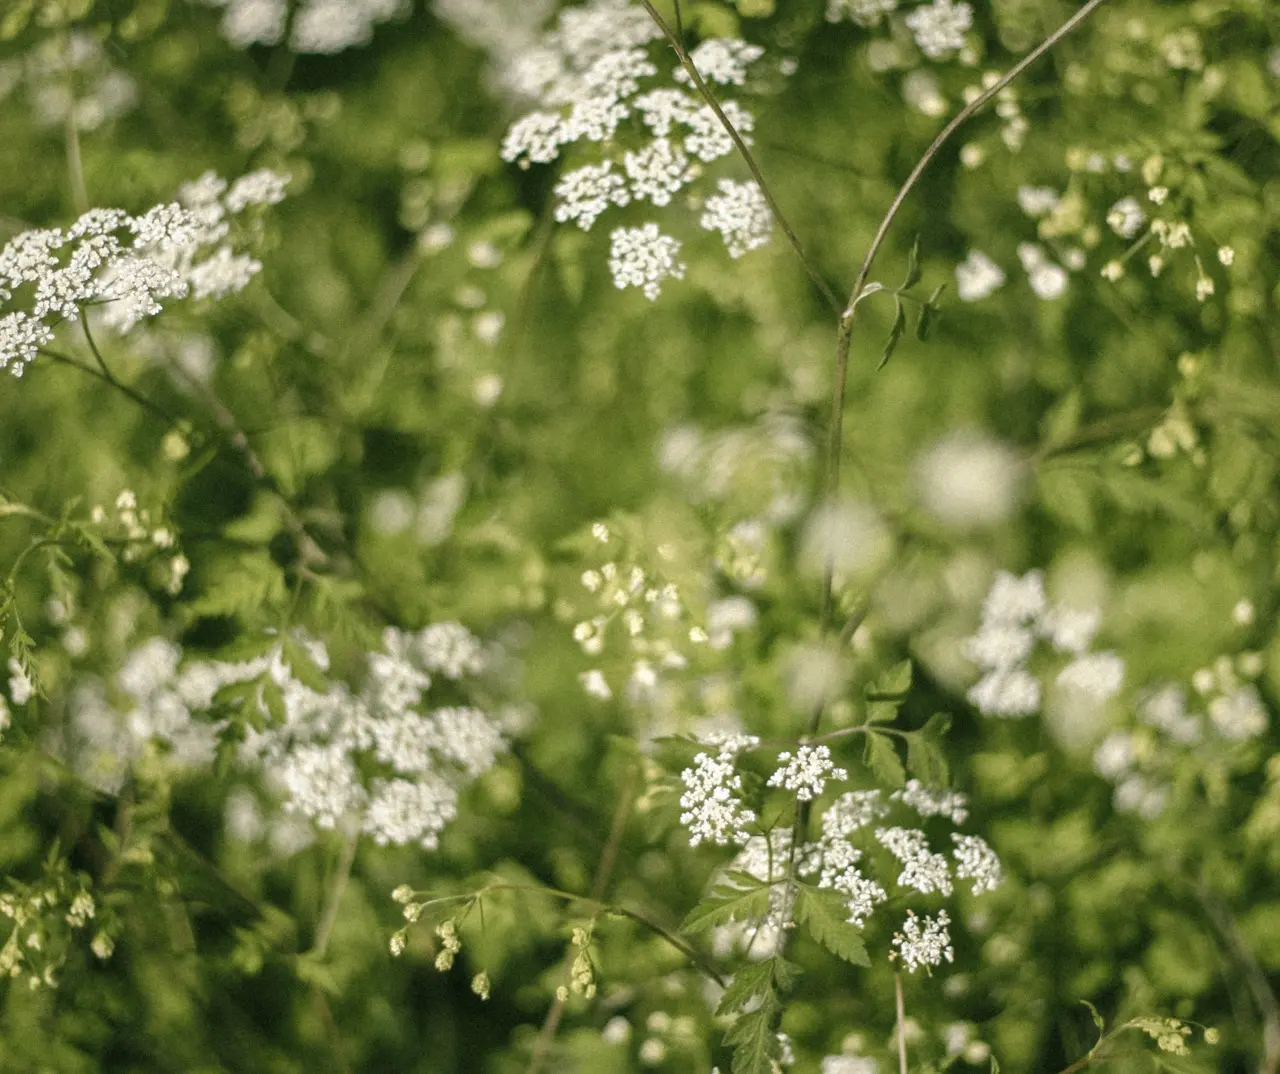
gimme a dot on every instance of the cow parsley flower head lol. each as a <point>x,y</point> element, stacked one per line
<point>806,771</point>
<point>939,28</point>
<point>643,257</point>
<point>723,60</point>
<point>922,870</point>
<point>713,809</point>
<point>967,479</point>
<point>320,27</point>
<point>933,801</point>
<point>741,215</point>
<point>1126,217</point>
<point>586,192</point>
<point>924,942</point>
<point>976,861</point>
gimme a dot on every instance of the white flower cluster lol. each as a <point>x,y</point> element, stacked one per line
<point>177,249</point>
<point>1139,760</point>
<point>1015,615</point>
<point>741,215</point>
<point>713,809</point>
<point>863,12</point>
<point>322,27</point>
<point>55,65</point>
<point>767,460</point>
<point>806,771</point>
<point>379,757</point>
<point>939,28</point>
<point>969,479</point>
<point>924,944</point>
<point>1048,278</point>
<point>839,865</point>
<point>977,277</point>
<point>591,78</point>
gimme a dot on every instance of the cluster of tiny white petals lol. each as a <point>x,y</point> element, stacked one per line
<point>173,250</point>
<point>643,257</point>
<point>319,27</point>
<point>584,193</point>
<point>1015,615</point>
<point>852,812</point>
<point>977,277</point>
<point>722,60</point>
<point>1238,715</point>
<point>658,171</point>
<point>378,758</point>
<point>590,79</point>
<point>976,861</point>
<point>925,946</point>
<point>922,870</point>
<point>939,28</point>
<point>713,809</point>
<point>806,771</point>
<point>1126,217</point>
<point>741,214</point>
<point>68,76</point>
<point>967,479</point>
<point>862,12</point>
<point>838,871</point>
<point>1048,279</point>
<point>933,801</point>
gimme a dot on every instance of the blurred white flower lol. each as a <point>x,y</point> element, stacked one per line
<point>967,479</point>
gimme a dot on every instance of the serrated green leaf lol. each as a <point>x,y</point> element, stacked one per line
<point>882,711</point>
<point>755,979</point>
<point>897,680</point>
<point>913,266</point>
<point>825,915</point>
<point>728,902</point>
<point>895,334</point>
<point>883,761</point>
<point>926,760</point>
<point>754,1039</point>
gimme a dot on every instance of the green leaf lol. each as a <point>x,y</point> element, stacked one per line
<point>925,757</point>
<point>825,915</point>
<point>1067,493</point>
<point>1061,420</point>
<point>882,711</point>
<point>728,902</point>
<point>897,680</point>
<point>929,314</point>
<point>913,266</point>
<point>895,334</point>
<point>1097,1018</point>
<point>882,759</point>
<point>754,1039</point>
<point>754,980</point>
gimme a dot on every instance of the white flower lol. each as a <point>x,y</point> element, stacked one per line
<point>976,861</point>
<point>852,812</point>
<point>661,109</point>
<point>977,277</point>
<point>933,801</point>
<point>1037,201</point>
<point>864,13</point>
<point>535,137</point>
<point>1048,281</point>
<point>1014,600</point>
<point>1238,715</point>
<point>587,192</point>
<point>658,171</point>
<point>721,59</point>
<point>741,215</point>
<point>1098,675</point>
<point>594,684</point>
<point>20,685</point>
<point>967,479</point>
<point>1070,630</point>
<point>1114,756</point>
<point>922,870</point>
<point>643,257</point>
<point>402,811</point>
<point>21,338</point>
<point>709,141</point>
<point>450,649</point>
<point>1000,645</point>
<point>1009,693</point>
<point>713,810</point>
<point>806,771</point>
<point>939,27</point>
<point>1126,217</point>
<point>1166,709</point>
<point>926,946</point>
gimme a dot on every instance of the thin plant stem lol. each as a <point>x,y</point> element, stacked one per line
<point>844,336</point>
<point>704,91</point>
<point>341,874</point>
<point>153,408</point>
<point>71,134</point>
<point>309,553</point>
<point>599,885</point>
<point>901,1033</point>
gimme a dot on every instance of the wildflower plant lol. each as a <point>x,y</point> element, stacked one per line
<point>416,649</point>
